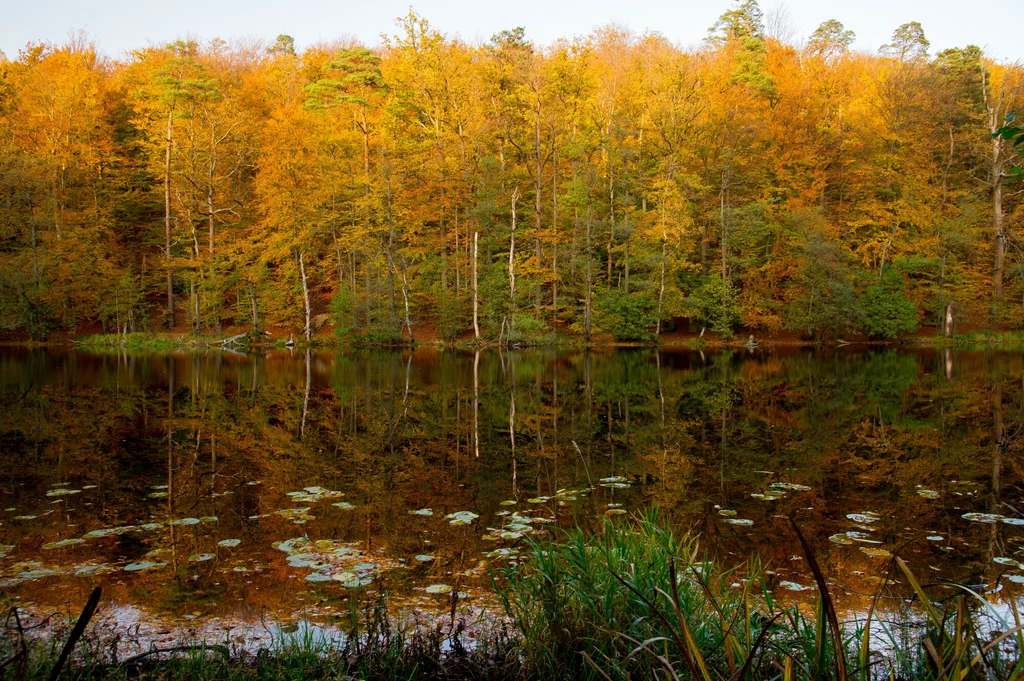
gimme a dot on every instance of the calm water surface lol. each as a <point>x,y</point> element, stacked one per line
<point>223,485</point>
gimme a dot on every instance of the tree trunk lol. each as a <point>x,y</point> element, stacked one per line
<point>167,218</point>
<point>308,331</point>
<point>949,321</point>
<point>476,299</point>
<point>998,224</point>
<point>590,279</point>
<point>405,299</point>
<point>511,262</point>
<point>611,215</point>
<point>661,288</point>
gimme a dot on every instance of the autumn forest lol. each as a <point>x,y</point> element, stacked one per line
<point>608,186</point>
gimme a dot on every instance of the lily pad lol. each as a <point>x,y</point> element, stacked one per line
<point>438,589</point>
<point>509,502</point>
<point>144,565</point>
<point>1014,521</point>
<point>928,493</point>
<point>790,485</point>
<point>875,553</point>
<point>229,542</point>
<point>842,539</point>
<point>1002,560</point>
<point>614,478</point>
<point>988,518</point>
<point>184,521</point>
<point>863,518</point>
<point>461,517</point>
<point>422,511</point>
<point>739,521</point>
<point>793,586</point>
<point>728,513</point>
<point>110,531</point>
<point>424,558</point>
<point>91,570</point>
<point>200,557</point>
<point>615,511</point>
<point>62,492</point>
<point>62,543</point>
<point>318,577</point>
<point>344,505</point>
<point>38,573</point>
<point>934,537</point>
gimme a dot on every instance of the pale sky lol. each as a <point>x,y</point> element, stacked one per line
<point>119,25</point>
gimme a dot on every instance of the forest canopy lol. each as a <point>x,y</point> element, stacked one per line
<point>610,185</point>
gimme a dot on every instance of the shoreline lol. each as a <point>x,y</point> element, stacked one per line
<point>169,341</point>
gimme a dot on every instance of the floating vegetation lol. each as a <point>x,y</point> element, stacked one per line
<point>24,517</point>
<point>538,500</point>
<point>842,539</point>
<point>424,558</point>
<point>865,518</point>
<point>157,495</point>
<point>297,515</point>
<point>1002,560</point>
<point>728,513</point>
<point>344,505</point>
<point>875,553</point>
<point>90,570</point>
<point>510,535</point>
<point>111,531</point>
<point>144,565</point>
<point>934,537</point>
<point>5,549</point>
<point>988,518</point>
<point>509,502</point>
<point>615,485</point>
<point>37,573</point>
<point>769,495</point>
<point>1014,521</point>
<point>184,521</point>
<point>318,577</point>
<point>422,511</point>
<point>790,485</point>
<point>739,521</point>
<point>230,543</point>
<point>1016,579</point>
<point>461,517</point>
<point>291,544</point>
<point>438,589</point>
<point>200,557</point>
<point>61,492</point>
<point>928,493</point>
<point>793,586</point>
<point>614,478</point>
<point>61,544</point>
<point>615,511</point>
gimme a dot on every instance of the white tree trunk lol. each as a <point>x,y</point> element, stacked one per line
<point>308,331</point>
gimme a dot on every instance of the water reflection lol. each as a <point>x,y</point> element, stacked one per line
<point>219,484</point>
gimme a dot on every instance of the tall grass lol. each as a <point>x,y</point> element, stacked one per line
<point>637,601</point>
<point>631,601</point>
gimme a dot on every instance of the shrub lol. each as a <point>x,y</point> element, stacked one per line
<point>887,313</point>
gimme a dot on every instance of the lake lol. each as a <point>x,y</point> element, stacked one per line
<point>227,487</point>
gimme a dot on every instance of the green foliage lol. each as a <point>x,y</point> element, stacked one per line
<point>628,317</point>
<point>342,310</point>
<point>1014,134</point>
<point>886,311</point>
<point>713,305</point>
<point>450,315</point>
<point>823,301</point>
